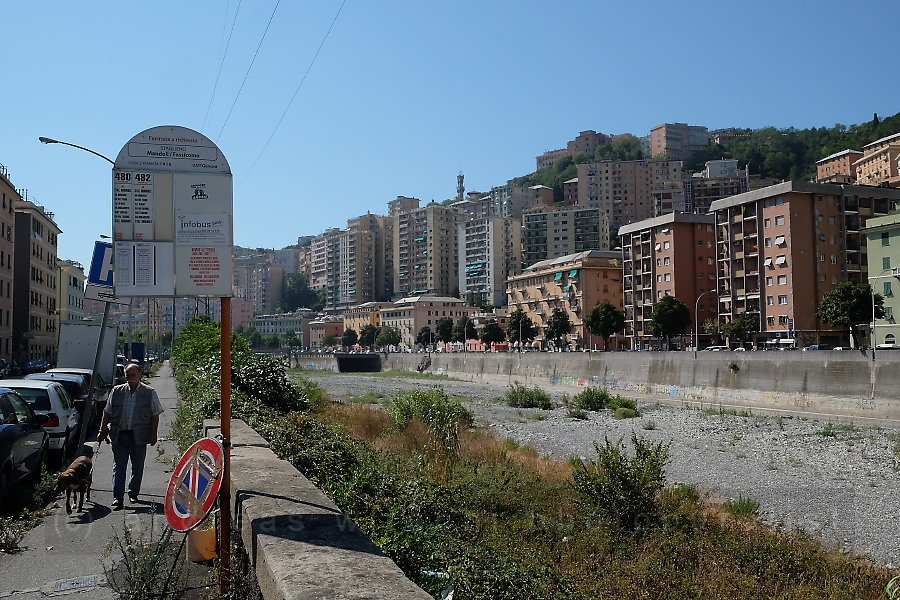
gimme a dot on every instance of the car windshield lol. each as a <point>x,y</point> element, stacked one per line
<point>72,387</point>
<point>37,399</point>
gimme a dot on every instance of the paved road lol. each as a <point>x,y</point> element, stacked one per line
<point>63,553</point>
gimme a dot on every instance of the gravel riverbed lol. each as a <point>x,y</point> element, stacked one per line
<point>837,482</point>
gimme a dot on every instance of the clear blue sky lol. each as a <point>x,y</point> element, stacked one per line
<point>406,93</point>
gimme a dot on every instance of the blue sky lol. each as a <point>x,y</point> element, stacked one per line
<point>406,93</point>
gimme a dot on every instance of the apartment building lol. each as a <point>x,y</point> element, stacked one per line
<point>359,260</point>
<point>511,201</point>
<point>570,192</point>
<point>321,328</point>
<point>547,159</point>
<point>296,322</point>
<point>35,293</point>
<point>409,315</point>
<point>883,243</point>
<point>425,248</point>
<point>71,291</point>
<point>839,167</point>
<point>631,190</point>
<point>259,279</point>
<point>7,227</point>
<point>585,143</point>
<point>490,251</point>
<point>575,283</point>
<point>878,164</point>
<point>671,255</point>
<point>367,313</point>
<point>781,248</point>
<point>719,179</point>
<point>678,141</point>
<point>552,233</point>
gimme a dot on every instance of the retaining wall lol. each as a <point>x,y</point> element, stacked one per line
<point>836,382</point>
<point>301,546</point>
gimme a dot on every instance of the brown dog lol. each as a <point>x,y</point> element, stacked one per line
<point>76,480</point>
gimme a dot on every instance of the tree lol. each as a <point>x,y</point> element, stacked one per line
<point>604,320</point>
<point>669,317</point>
<point>253,336</point>
<point>298,294</point>
<point>367,335</point>
<point>349,338</point>
<point>849,305</point>
<point>713,328</point>
<point>272,341</point>
<point>492,333</point>
<point>518,321</point>
<point>741,326</point>
<point>291,339</point>
<point>329,340</point>
<point>424,337</point>
<point>443,331</point>
<point>464,330</point>
<point>558,326</point>
<point>388,336</point>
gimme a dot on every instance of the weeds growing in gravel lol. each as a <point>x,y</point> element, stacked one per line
<point>520,396</point>
<point>742,507</point>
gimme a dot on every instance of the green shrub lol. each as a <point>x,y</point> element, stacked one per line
<point>743,507</point>
<point>12,531</point>
<point>592,399</point>
<point>650,425</point>
<point>520,396</point>
<point>577,413</point>
<point>625,413</point>
<point>441,414</point>
<point>618,401</point>
<point>624,490</point>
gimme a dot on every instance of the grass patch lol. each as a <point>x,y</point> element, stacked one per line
<point>24,506</point>
<point>367,398</point>
<point>742,507</point>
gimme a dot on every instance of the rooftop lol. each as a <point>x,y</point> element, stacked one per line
<point>837,154</point>
<point>551,263</point>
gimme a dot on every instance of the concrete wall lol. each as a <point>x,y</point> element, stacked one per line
<point>300,544</point>
<point>845,383</point>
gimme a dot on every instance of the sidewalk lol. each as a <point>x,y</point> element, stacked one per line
<point>62,555</point>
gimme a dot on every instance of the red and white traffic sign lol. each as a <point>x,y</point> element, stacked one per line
<point>194,484</point>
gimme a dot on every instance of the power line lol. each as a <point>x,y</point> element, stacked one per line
<point>222,62</point>
<point>247,74</point>
<point>296,91</point>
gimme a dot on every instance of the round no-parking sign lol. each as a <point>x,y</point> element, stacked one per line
<point>194,484</point>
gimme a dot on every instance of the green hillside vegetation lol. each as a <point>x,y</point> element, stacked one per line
<point>788,154</point>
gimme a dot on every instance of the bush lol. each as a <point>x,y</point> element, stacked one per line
<point>592,399</point>
<point>617,402</point>
<point>743,507</point>
<point>625,413</point>
<point>621,489</point>
<point>520,396</point>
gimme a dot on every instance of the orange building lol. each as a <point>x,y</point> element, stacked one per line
<point>319,329</point>
<point>576,283</point>
<point>671,255</point>
<point>7,223</point>
<point>838,167</point>
<point>878,165</point>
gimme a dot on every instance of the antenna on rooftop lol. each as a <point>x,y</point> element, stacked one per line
<point>460,187</point>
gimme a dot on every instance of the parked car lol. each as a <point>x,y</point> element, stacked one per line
<point>120,374</point>
<point>50,398</point>
<point>887,347</point>
<point>814,347</point>
<point>716,349</point>
<point>23,443</point>
<point>38,365</point>
<point>101,390</point>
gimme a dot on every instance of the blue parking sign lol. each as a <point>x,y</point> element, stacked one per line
<point>101,272</point>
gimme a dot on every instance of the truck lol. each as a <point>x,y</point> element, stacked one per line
<point>137,352</point>
<point>78,346</point>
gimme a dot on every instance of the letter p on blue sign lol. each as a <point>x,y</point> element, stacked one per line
<point>101,272</point>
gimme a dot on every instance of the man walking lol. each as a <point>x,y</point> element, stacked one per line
<point>131,419</point>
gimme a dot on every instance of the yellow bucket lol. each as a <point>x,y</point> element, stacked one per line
<point>201,545</point>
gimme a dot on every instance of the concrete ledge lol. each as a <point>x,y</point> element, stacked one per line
<point>301,545</point>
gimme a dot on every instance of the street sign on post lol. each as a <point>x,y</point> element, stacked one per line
<point>194,485</point>
<point>101,272</point>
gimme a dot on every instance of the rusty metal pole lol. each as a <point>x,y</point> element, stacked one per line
<point>225,490</point>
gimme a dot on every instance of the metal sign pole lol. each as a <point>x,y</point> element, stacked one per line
<point>89,402</point>
<point>225,490</point>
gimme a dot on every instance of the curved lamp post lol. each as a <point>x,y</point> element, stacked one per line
<point>46,140</point>
<point>697,316</point>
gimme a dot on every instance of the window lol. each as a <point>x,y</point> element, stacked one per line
<point>885,238</point>
<point>767,222</point>
<point>668,277</point>
<point>769,281</point>
<point>782,299</point>
<point>886,263</point>
<point>779,220</point>
<point>667,261</point>
<point>779,201</point>
<point>666,245</point>
<point>782,280</point>
<point>889,313</point>
<point>888,292</point>
<point>834,259</point>
<point>821,258</point>
<point>770,300</point>
<point>768,262</point>
<point>780,240</point>
<point>768,242</point>
<point>781,260</point>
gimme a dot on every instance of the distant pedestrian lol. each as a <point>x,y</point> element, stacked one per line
<point>131,419</point>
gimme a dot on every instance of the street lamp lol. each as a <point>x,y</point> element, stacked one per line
<point>46,140</point>
<point>895,272</point>
<point>697,316</point>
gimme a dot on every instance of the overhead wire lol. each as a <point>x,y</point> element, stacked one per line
<point>247,74</point>
<point>222,62</point>
<point>296,91</point>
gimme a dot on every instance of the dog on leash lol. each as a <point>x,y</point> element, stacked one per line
<point>76,480</point>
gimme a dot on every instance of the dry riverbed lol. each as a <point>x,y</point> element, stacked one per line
<point>838,482</point>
